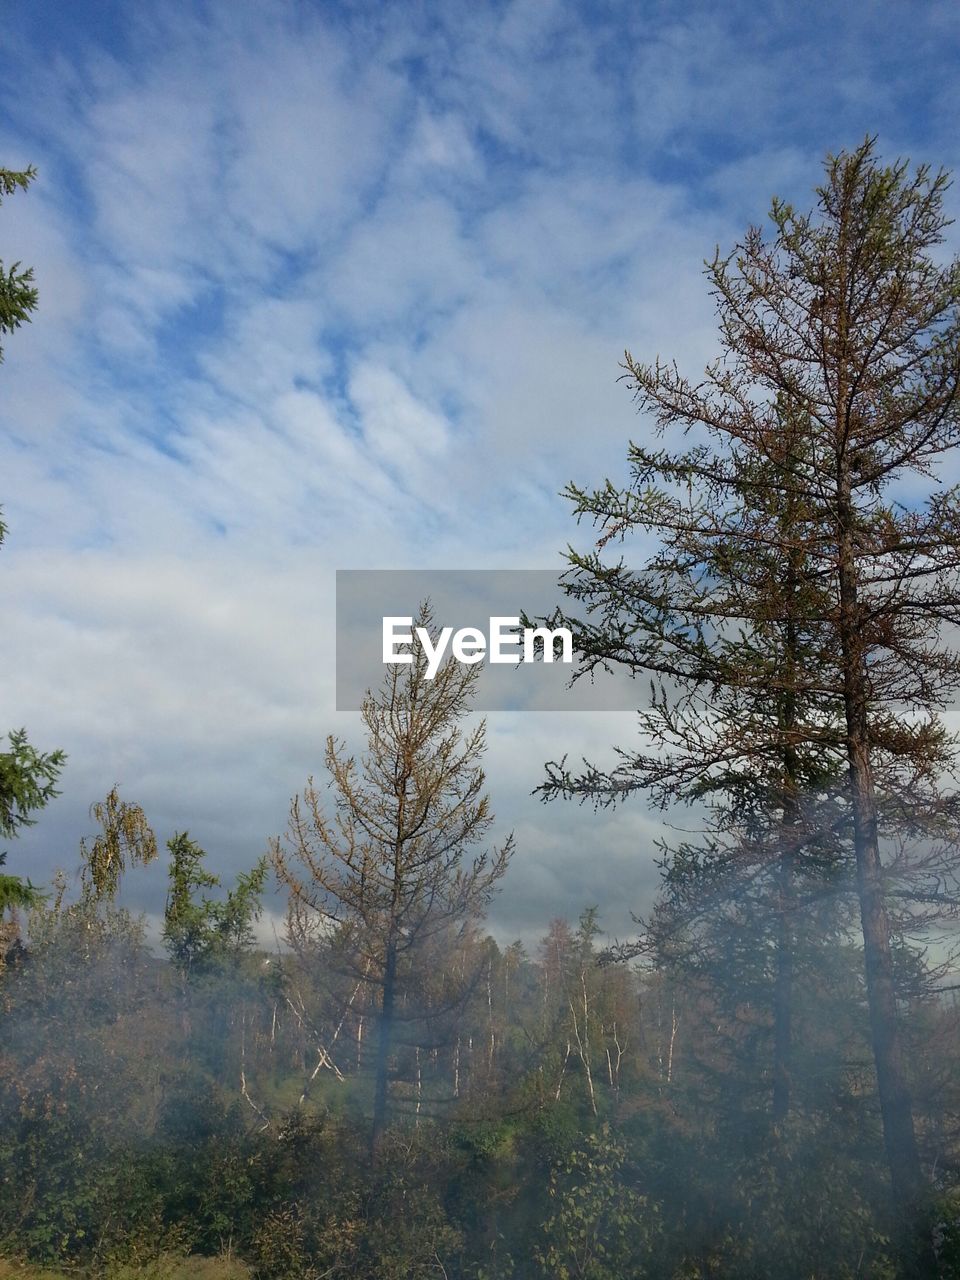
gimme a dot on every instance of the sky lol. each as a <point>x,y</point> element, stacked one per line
<point>346,286</point>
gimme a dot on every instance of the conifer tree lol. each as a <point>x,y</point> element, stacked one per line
<point>27,776</point>
<point>815,443</point>
<point>18,294</point>
<point>384,875</point>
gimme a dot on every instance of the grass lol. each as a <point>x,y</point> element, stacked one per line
<point>166,1267</point>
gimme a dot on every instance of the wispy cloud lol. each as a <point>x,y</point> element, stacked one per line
<point>347,286</point>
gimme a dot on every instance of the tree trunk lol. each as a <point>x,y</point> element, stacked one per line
<point>384,1044</point>
<point>674,1026</point>
<point>790,813</point>
<point>895,1106</point>
<point>493,1038</point>
<point>787,898</point>
<point>783,992</point>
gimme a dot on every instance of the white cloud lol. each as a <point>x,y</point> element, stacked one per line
<point>323,290</point>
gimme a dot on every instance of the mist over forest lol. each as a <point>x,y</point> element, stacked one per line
<point>306,974</point>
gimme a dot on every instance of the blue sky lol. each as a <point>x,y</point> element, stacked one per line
<point>346,286</point>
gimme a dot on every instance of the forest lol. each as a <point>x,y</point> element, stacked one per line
<point>765,1080</point>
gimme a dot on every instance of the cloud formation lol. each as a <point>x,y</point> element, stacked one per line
<point>347,286</point>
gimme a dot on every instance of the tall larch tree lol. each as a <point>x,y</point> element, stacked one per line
<point>847,320</point>
<point>386,870</point>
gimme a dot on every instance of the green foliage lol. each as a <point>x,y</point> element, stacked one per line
<point>125,1138</point>
<point>125,840</point>
<point>281,1245</point>
<point>27,776</point>
<point>600,1227</point>
<point>201,932</point>
<point>144,1117</point>
<point>945,1215</point>
<point>27,782</point>
<point>17,892</point>
<point>18,296</point>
